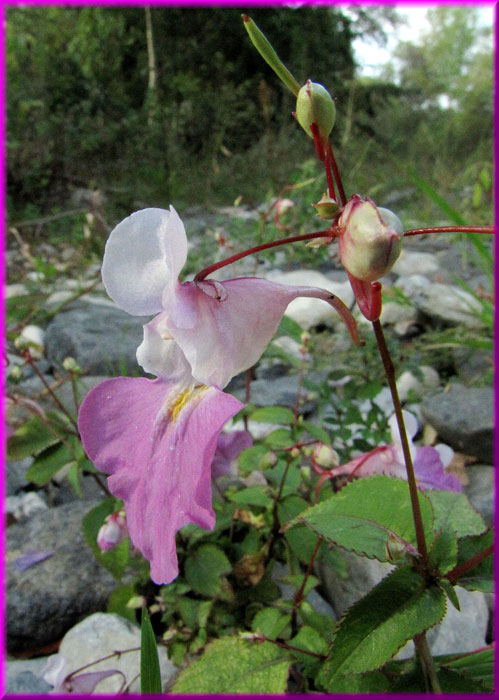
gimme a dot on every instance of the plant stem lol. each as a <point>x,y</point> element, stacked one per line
<point>331,159</point>
<point>411,478</point>
<point>450,229</point>
<point>458,571</point>
<point>328,233</point>
<point>34,366</point>
<point>427,663</point>
<point>299,594</point>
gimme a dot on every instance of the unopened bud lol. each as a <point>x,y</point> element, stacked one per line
<point>325,456</point>
<point>269,460</point>
<point>70,365</point>
<point>112,532</point>
<point>327,207</point>
<point>16,372</point>
<point>370,240</point>
<point>32,338</point>
<point>314,105</point>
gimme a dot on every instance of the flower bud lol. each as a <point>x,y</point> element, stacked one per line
<point>370,240</point>
<point>70,365</point>
<point>325,456</point>
<point>314,105</point>
<point>112,532</point>
<point>327,207</point>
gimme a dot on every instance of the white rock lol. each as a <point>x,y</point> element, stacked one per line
<point>412,284</point>
<point>35,337</point>
<point>59,297</point>
<point>313,312</point>
<point>15,290</point>
<point>413,263</point>
<point>408,381</point>
<point>25,505</point>
<point>393,313</point>
<point>290,346</point>
<point>97,636</point>
<point>450,304</point>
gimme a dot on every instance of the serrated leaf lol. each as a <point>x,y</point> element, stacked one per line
<point>443,552</point>
<point>376,627</point>
<point>481,576</point>
<point>30,439</point>
<point>300,539</point>
<point>362,516</point>
<point>452,510</point>
<point>373,682</point>
<point>150,676</point>
<point>316,431</point>
<point>273,414</point>
<point>270,622</point>
<point>450,592</point>
<point>233,665</point>
<point>204,567</point>
<point>319,621</point>
<point>476,666</point>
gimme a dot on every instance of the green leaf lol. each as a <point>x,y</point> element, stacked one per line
<point>481,576</point>
<point>251,459</point>
<point>118,600</point>
<point>476,666</point>
<point>233,665</point>
<point>30,439</point>
<point>74,479</point>
<point>376,627</point>
<point>300,539</point>
<point>316,431</point>
<point>319,621</point>
<point>443,553</point>
<point>204,567</point>
<point>452,510</point>
<point>369,390</point>
<point>150,676</point>
<point>450,592</point>
<point>273,414</point>
<point>309,639</point>
<point>270,622</point>
<point>365,513</point>
<point>251,496</point>
<point>373,682</point>
<point>296,581</point>
<point>49,462</point>
<point>279,438</point>
<point>290,328</point>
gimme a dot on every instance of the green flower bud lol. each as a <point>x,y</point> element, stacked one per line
<point>370,240</point>
<point>325,456</point>
<point>327,208</point>
<point>314,105</point>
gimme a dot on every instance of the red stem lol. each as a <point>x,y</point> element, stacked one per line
<point>336,173</point>
<point>458,571</point>
<point>328,233</point>
<point>450,229</point>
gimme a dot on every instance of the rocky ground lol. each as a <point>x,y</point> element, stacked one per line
<point>62,597</point>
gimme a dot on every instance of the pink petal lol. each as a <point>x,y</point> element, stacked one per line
<point>143,255</point>
<point>85,683</point>
<point>224,327</point>
<point>381,460</point>
<point>159,465</point>
<point>430,473</point>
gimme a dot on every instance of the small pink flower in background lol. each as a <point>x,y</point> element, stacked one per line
<point>429,462</point>
<point>281,207</point>
<point>229,447</point>
<point>113,531</point>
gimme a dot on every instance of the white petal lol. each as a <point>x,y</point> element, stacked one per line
<point>160,355</point>
<point>143,255</point>
<point>446,453</point>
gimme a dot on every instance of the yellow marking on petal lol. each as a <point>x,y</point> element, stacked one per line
<point>182,399</point>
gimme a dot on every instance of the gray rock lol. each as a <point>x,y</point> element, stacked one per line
<point>448,305</point>
<point>102,339</point>
<point>464,419</point>
<point>98,636</point>
<point>16,475</point>
<point>415,263</point>
<point>24,676</point>
<point>364,574</point>
<point>472,365</point>
<point>47,599</point>
<point>480,490</point>
<point>282,391</point>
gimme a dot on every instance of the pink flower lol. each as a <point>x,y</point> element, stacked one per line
<point>113,531</point>
<point>156,440</point>
<point>222,328</point>
<point>229,447</point>
<point>429,462</point>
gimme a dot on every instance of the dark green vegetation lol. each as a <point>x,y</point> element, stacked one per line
<point>176,106</point>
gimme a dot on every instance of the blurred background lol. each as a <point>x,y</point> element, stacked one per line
<point>113,109</point>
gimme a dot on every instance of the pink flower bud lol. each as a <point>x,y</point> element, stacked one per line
<point>113,531</point>
<point>370,240</point>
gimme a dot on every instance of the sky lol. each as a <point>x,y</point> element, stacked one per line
<point>371,57</point>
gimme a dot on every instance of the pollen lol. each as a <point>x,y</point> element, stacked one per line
<point>180,400</point>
